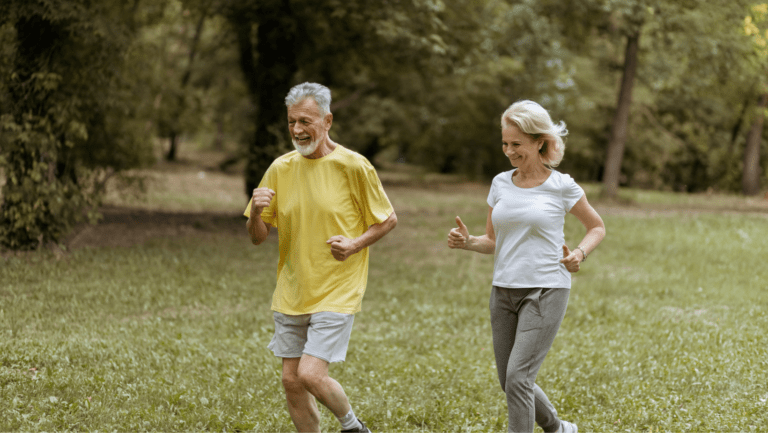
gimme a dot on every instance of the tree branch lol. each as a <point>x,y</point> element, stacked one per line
<point>647,112</point>
<point>352,98</point>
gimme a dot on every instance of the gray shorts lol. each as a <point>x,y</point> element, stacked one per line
<point>324,335</point>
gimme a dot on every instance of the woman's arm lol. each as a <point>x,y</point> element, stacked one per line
<point>595,234</point>
<point>459,237</point>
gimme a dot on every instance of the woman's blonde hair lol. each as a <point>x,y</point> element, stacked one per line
<point>534,120</point>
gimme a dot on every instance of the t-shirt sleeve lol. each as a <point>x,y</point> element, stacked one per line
<point>572,192</point>
<point>269,214</point>
<point>368,193</point>
<point>492,194</point>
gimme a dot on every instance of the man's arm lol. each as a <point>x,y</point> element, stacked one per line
<point>342,248</point>
<point>257,228</point>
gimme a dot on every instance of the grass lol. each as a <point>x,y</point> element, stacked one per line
<point>665,329</point>
<point>669,201</point>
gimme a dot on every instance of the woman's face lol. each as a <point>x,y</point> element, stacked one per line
<point>520,148</point>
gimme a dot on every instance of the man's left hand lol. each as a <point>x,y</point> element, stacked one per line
<point>342,247</point>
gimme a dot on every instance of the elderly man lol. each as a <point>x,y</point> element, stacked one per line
<point>328,206</point>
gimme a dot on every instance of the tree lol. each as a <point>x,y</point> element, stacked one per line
<point>283,42</point>
<point>62,114</point>
<point>751,176</point>
<point>619,127</point>
<point>501,52</point>
<point>185,56</point>
<point>687,66</point>
<point>171,119</point>
<point>266,39</point>
<point>633,15</point>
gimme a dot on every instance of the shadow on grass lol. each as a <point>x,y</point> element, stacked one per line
<point>124,226</point>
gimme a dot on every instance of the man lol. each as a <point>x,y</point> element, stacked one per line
<point>328,206</point>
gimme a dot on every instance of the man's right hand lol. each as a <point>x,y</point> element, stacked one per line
<point>262,197</point>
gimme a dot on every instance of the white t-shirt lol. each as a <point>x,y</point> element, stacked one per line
<point>528,223</point>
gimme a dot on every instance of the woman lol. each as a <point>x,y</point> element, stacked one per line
<point>531,280</point>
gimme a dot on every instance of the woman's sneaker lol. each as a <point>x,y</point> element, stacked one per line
<point>568,427</point>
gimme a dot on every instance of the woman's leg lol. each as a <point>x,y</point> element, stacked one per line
<point>524,323</point>
<point>546,415</point>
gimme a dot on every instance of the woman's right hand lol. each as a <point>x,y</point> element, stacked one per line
<point>459,236</point>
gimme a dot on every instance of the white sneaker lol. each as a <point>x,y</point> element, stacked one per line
<point>568,427</point>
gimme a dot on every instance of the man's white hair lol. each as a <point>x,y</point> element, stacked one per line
<point>318,92</point>
<point>534,120</point>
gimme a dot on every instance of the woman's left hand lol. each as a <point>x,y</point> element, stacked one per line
<point>571,259</point>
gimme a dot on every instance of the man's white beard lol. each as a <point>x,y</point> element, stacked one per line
<point>305,149</point>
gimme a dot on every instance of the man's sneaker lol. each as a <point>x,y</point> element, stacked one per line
<point>362,429</point>
<point>568,427</point>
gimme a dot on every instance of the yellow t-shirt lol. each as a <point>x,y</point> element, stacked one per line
<point>315,199</point>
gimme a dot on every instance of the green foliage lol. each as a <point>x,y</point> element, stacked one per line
<point>171,335</point>
<point>437,104</point>
<point>37,207</point>
<point>62,120</point>
<point>692,85</point>
<point>425,81</point>
<point>436,99</point>
<point>757,18</point>
<point>421,81</point>
<point>189,65</point>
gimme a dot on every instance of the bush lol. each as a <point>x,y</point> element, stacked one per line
<point>63,121</point>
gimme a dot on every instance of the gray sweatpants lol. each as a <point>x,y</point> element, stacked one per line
<point>524,324</point>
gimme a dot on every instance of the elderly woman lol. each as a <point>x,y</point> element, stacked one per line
<point>531,279</point>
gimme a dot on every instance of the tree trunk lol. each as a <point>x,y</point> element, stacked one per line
<point>268,84</point>
<point>737,127</point>
<point>174,138</point>
<point>750,182</point>
<point>615,153</point>
<point>218,140</point>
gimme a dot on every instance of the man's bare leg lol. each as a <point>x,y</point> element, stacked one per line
<point>301,404</point>
<point>313,374</point>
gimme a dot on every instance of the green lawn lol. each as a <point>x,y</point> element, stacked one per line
<point>665,329</point>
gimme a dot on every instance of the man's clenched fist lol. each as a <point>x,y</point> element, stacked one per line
<point>262,197</point>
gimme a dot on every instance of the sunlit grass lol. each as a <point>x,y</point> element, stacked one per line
<point>668,200</point>
<point>182,190</point>
<point>665,330</point>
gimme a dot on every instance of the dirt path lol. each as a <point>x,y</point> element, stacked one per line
<point>126,226</point>
<point>123,227</point>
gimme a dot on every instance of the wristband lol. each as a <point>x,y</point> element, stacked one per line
<point>583,252</point>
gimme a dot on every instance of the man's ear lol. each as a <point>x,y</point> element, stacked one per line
<point>328,121</point>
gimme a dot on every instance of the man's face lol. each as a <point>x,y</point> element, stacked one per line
<point>307,126</point>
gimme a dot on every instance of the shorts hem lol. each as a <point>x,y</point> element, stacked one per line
<point>286,356</point>
<point>326,358</point>
<point>529,287</point>
<point>347,311</point>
